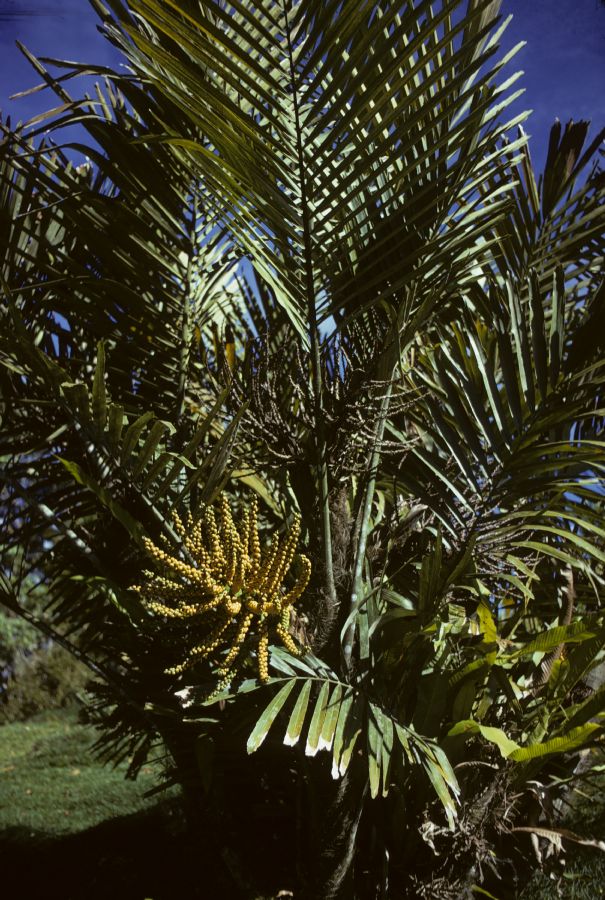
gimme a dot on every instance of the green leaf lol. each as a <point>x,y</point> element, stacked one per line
<point>540,354</point>
<point>387,752</point>
<point>338,744</point>
<point>445,767</point>
<point>581,657</point>
<point>463,563</point>
<point>219,457</point>
<point>495,736</point>
<point>405,737</point>
<point>115,426</point>
<point>573,740</point>
<point>152,441</point>
<point>78,400</point>
<point>133,433</point>
<point>582,712</point>
<point>317,721</point>
<point>549,640</point>
<point>297,718</point>
<point>557,325</point>
<point>209,419</point>
<point>430,578</point>
<point>431,703</point>
<point>133,527</point>
<point>476,889</point>
<point>435,774</point>
<point>352,731</point>
<point>374,747</point>
<point>266,720</point>
<point>99,399</point>
<point>326,737</point>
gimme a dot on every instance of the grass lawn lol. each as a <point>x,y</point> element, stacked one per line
<point>584,880</point>
<point>73,829</point>
<point>51,784</point>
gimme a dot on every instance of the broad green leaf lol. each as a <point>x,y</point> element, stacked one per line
<point>352,731</point>
<point>266,720</point>
<point>374,747</point>
<point>317,721</point>
<point>581,657</point>
<point>159,465</point>
<point>387,752</point>
<point>326,737</point>
<point>446,769</point>
<point>432,699</point>
<point>297,717</point>
<point>337,746</point>
<point>152,441</point>
<point>405,738</point>
<point>572,740</point>
<point>495,736</point>
<point>549,640</point>
<point>115,426</point>
<point>441,788</point>
<point>465,698</point>
<point>133,433</point>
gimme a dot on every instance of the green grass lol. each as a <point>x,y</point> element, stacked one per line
<point>50,783</point>
<point>74,829</point>
<point>583,880</point>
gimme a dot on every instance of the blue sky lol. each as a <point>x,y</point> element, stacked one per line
<point>564,60</point>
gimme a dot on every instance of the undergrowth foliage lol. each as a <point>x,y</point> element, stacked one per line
<point>309,332</point>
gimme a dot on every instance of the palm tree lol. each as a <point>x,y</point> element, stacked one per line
<point>309,263</point>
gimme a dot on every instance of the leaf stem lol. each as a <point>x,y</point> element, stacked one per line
<point>320,438</point>
<point>347,648</point>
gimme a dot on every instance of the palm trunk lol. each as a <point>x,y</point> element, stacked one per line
<point>335,820</point>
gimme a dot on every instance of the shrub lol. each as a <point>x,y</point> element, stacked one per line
<point>307,267</point>
<point>45,678</point>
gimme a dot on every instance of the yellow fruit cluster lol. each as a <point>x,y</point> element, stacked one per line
<point>227,591</point>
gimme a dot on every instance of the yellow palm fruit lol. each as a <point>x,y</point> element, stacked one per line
<point>178,525</point>
<point>230,595</point>
<point>204,649</point>
<point>214,540</point>
<point>227,524</point>
<point>288,641</point>
<point>284,559</point>
<point>263,654</point>
<point>238,640</point>
<point>301,582</point>
<point>253,540</point>
<point>199,576</point>
<point>239,575</point>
